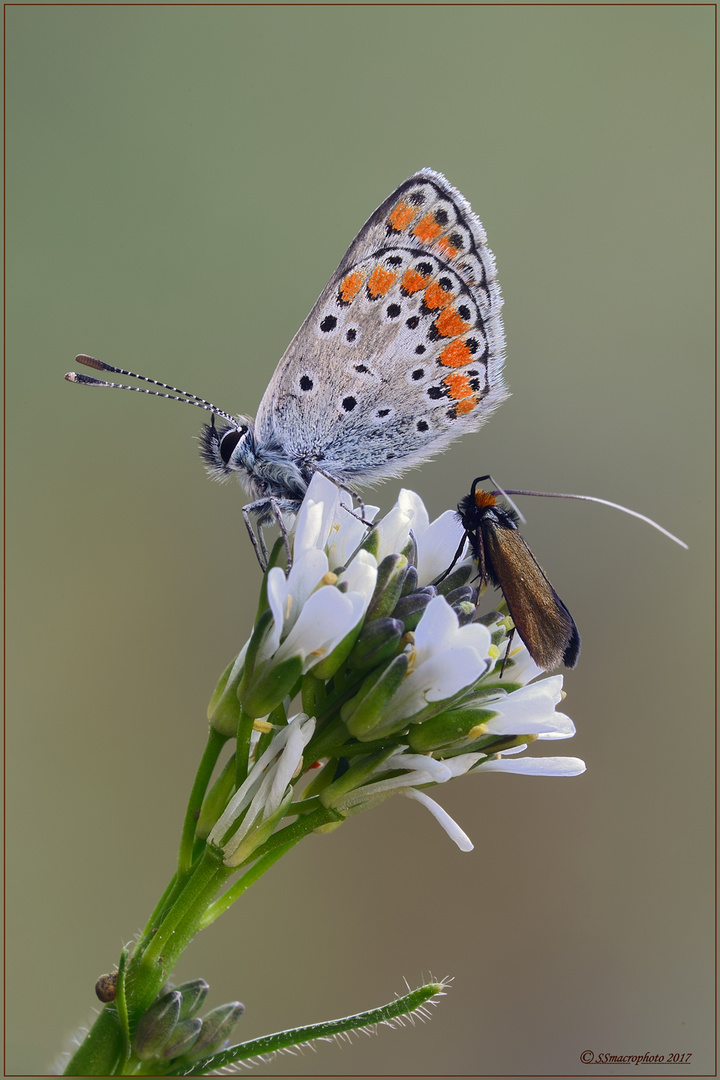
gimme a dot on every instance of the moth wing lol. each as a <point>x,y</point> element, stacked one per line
<point>542,620</point>
<point>403,350</point>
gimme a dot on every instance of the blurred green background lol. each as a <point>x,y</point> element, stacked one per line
<point>169,170</point>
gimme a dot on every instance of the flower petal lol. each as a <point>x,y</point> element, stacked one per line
<point>277,594</point>
<point>443,819</point>
<point>316,515</point>
<point>437,546</point>
<point>536,766</point>
<point>326,618</point>
<point>348,532</point>
<point>531,711</point>
<point>301,731</point>
<point>361,575</point>
<point>412,505</point>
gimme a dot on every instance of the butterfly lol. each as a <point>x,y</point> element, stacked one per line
<point>402,353</point>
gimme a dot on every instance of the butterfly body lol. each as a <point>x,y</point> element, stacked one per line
<point>401,354</point>
<point>543,622</point>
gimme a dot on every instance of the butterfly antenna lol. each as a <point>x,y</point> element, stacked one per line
<point>185,397</point>
<point>604,502</point>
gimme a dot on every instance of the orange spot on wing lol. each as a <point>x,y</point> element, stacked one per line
<point>427,229</point>
<point>350,286</point>
<point>461,392</point>
<point>450,324</point>
<point>413,281</point>
<point>448,249</point>
<point>436,296</point>
<point>401,215</point>
<point>458,385</point>
<point>456,354</point>
<point>380,281</point>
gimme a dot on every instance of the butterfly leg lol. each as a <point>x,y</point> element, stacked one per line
<point>266,511</point>
<point>343,487</point>
<point>277,514</point>
<point>260,547</point>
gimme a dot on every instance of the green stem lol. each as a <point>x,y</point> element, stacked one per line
<point>184,917</point>
<point>328,742</point>
<point>102,1053</point>
<point>172,888</point>
<point>214,745</point>
<point>242,753</point>
<point>324,815</point>
<point>249,878</point>
<point>267,854</point>
<point>281,1040</point>
<point>121,1004</point>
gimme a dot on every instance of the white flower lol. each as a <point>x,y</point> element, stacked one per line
<point>310,614</point>
<point>418,769</point>
<point>447,658</point>
<point>437,542</point>
<point>524,668</point>
<point>348,532</point>
<point>527,711</point>
<point>443,675</point>
<point>317,515</point>
<point>325,620</point>
<point>261,800</point>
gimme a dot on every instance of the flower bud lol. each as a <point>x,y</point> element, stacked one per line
<point>409,609</point>
<point>354,777</point>
<point>458,577</point>
<point>193,993</point>
<point>273,684</point>
<point>501,624</point>
<point>155,1027</point>
<point>323,777</point>
<point>213,805</point>
<point>463,601</point>
<point>182,1039</point>
<point>263,626</point>
<point>410,551</point>
<point>410,582</point>
<point>332,663</point>
<point>224,709</point>
<point>390,577</point>
<point>363,712</point>
<point>445,729</point>
<point>460,595</point>
<point>217,1026</point>
<point>378,641</point>
<point>465,612</point>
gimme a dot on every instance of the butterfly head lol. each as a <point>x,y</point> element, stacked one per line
<point>228,448</point>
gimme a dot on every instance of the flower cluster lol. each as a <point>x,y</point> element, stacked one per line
<point>169,1031</point>
<point>403,684</point>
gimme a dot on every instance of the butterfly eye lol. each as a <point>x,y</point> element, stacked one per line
<point>229,441</point>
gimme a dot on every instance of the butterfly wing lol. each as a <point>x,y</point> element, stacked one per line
<point>542,620</point>
<point>403,350</point>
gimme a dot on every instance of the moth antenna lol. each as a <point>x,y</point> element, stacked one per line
<point>500,491</point>
<point>187,398</point>
<point>604,502</point>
